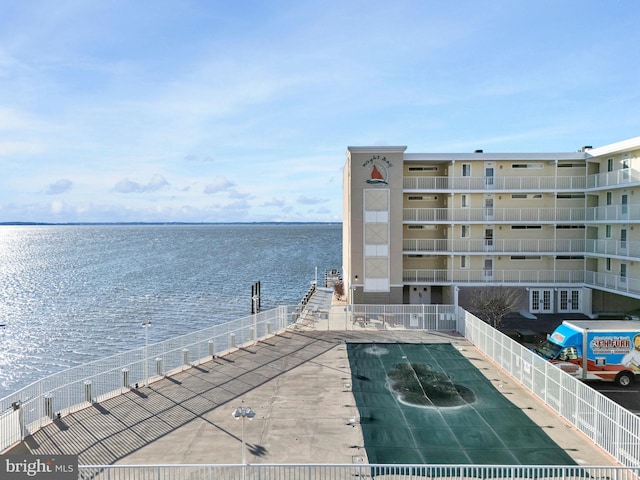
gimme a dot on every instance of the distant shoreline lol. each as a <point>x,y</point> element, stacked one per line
<point>46,224</point>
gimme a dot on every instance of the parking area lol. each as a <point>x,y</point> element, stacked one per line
<point>514,325</point>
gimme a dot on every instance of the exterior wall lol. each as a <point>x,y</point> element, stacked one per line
<point>562,227</point>
<point>374,222</point>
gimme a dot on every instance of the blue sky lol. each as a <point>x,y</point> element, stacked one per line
<point>216,111</point>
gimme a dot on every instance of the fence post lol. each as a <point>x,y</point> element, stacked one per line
<point>48,406</point>
<point>125,378</point>
<point>185,356</point>
<point>159,371</point>
<point>232,340</point>
<point>87,392</point>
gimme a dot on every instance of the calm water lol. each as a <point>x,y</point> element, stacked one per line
<point>71,294</point>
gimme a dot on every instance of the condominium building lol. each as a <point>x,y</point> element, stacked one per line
<point>562,229</point>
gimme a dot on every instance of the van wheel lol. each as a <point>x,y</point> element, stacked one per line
<point>624,379</point>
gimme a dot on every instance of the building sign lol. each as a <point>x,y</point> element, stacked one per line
<point>379,170</point>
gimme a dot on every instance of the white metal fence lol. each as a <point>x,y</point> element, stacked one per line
<point>36,405</point>
<point>607,424</point>
<point>355,471</point>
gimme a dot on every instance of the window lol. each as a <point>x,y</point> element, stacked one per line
<point>423,169</point>
<point>464,200</point>
<point>526,165</point>
<point>569,227</point>
<point>466,169</point>
<point>571,165</point>
<point>525,257</point>
<point>607,231</point>
<point>464,262</point>
<point>422,227</point>
<point>609,164</point>
<point>623,272</point>
<point>415,197</point>
<point>570,195</point>
<point>608,264</point>
<point>526,227</point>
<point>608,198</point>
<point>569,257</point>
<point>526,195</point>
<point>464,231</point>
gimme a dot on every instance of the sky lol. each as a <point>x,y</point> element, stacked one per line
<point>242,111</point>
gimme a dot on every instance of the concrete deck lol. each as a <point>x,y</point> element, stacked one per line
<point>298,383</point>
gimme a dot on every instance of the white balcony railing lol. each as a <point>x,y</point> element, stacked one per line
<point>613,282</point>
<point>610,213</point>
<point>550,246</point>
<point>533,183</point>
<point>521,246</point>
<point>426,276</point>
<point>529,215</point>
<point>607,213</point>
<point>613,179</point>
<point>613,247</point>
<point>609,281</point>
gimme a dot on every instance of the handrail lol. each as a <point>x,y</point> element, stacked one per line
<point>38,404</point>
<point>343,471</point>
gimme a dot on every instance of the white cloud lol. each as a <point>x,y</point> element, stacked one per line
<point>219,184</point>
<point>129,186</point>
<point>60,186</point>
<point>304,200</point>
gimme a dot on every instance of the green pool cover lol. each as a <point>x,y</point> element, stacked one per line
<point>427,404</point>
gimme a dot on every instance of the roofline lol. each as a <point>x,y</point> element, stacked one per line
<point>371,149</point>
<point>618,147</point>
<point>448,157</point>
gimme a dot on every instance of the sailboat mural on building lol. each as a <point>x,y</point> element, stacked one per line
<point>379,174</point>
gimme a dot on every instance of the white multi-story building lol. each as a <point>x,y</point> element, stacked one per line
<point>561,228</point>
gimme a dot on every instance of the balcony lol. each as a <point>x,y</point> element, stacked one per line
<point>599,280</point>
<point>613,248</point>
<point>479,245</point>
<point>613,213</point>
<point>617,178</point>
<point>616,283</point>
<point>515,277</point>
<point>508,215</point>
<point>531,183</point>
<point>610,213</point>
<point>600,181</point>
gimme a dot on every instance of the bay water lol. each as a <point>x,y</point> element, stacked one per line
<point>70,294</point>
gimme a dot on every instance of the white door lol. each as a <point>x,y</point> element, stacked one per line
<point>624,209</point>
<point>488,239</point>
<point>569,300</point>
<point>488,177</point>
<point>540,300</point>
<point>487,269</point>
<point>488,208</point>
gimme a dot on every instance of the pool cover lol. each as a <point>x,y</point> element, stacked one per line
<point>427,404</point>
